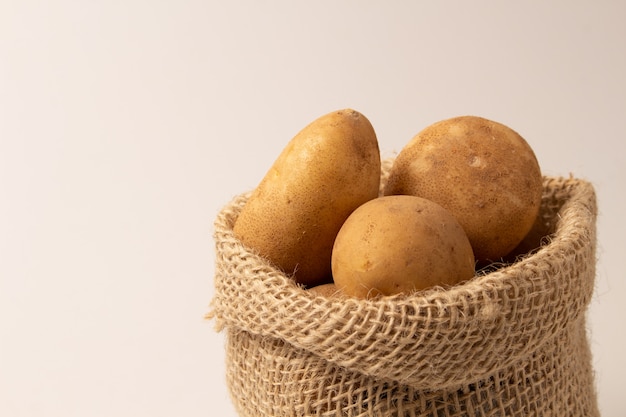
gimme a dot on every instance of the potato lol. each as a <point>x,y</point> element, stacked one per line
<point>482,171</point>
<point>329,290</point>
<point>399,244</point>
<point>327,170</point>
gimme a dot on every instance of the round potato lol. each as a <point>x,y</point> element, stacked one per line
<point>399,244</point>
<point>481,171</point>
<point>327,170</point>
<point>329,290</point>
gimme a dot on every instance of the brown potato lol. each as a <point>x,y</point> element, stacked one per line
<point>326,290</point>
<point>482,171</point>
<point>327,170</point>
<point>398,244</point>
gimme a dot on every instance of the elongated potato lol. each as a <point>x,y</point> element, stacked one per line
<point>482,171</point>
<point>326,171</point>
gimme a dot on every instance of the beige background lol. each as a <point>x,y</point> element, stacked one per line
<point>126,125</point>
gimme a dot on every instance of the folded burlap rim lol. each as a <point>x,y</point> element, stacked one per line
<point>434,339</point>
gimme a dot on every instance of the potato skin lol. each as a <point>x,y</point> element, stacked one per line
<point>399,244</point>
<point>329,290</point>
<point>327,170</point>
<point>482,171</point>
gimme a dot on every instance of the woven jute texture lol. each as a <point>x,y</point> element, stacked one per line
<point>510,342</point>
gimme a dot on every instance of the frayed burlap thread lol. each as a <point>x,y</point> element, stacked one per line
<point>511,342</point>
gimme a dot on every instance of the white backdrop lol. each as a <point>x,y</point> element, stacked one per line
<point>126,125</point>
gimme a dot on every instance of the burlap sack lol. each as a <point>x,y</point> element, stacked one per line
<point>511,342</point>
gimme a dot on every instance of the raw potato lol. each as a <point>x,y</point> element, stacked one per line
<point>329,290</point>
<point>326,171</point>
<point>399,244</point>
<point>482,171</point>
